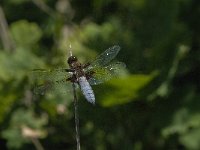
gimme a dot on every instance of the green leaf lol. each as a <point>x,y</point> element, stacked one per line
<point>25,34</point>
<point>191,140</point>
<point>122,90</point>
<point>6,102</point>
<point>186,124</point>
<point>18,64</point>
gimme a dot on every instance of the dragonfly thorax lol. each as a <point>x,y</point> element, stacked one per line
<point>76,66</point>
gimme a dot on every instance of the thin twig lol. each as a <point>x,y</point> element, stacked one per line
<point>41,5</point>
<point>37,144</point>
<point>7,42</point>
<point>76,118</point>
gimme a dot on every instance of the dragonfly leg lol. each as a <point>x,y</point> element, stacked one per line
<point>72,79</point>
<point>89,74</point>
<point>69,70</point>
<point>86,65</point>
<point>60,81</point>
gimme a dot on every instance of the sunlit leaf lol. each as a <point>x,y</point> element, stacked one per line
<point>122,90</point>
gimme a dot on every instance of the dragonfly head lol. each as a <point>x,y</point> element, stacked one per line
<point>71,60</point>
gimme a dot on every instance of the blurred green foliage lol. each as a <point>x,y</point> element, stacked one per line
<point>18,130</point>
<point>153,105</point>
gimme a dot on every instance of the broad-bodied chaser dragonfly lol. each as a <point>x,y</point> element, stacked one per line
<point>84,75</point>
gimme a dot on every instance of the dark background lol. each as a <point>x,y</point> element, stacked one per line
<point>153,105</point>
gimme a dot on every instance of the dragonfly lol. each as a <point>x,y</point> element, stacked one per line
<point>98,71</point>
<point>83,75</point>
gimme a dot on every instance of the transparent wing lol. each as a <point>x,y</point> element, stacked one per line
<point>50,80</point>
<point>104,58</point>
<point>102,74</point>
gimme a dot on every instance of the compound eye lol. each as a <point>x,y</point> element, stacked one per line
<point>71,59</point>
